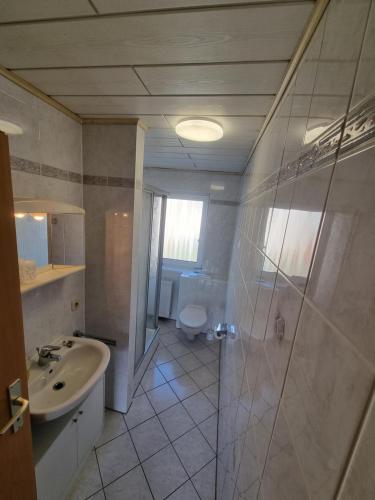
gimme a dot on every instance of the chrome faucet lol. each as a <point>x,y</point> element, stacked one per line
<point>45,354</point>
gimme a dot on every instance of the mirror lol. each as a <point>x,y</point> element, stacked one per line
<point>32,238</point>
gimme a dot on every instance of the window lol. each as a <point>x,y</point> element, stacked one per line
<point>184,228</point>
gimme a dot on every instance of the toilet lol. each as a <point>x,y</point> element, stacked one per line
<point>193,319</point>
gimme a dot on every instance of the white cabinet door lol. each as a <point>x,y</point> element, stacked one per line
<point>90,420</point>
<point>58,465</point>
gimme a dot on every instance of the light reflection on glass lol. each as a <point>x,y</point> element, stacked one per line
<point>299,244</point>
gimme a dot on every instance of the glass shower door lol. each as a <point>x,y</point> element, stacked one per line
<point>154,270</point>
<point>149,272</point>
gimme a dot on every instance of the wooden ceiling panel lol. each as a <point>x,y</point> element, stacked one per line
<point>254,33</point>
<point>85,81</point>
<point>161,142</point>
<point>21,10</point>
<point>250,78</point>
<point>221,59</point>
<point>174,105</point>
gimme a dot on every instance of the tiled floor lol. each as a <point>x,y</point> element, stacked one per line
<point>165,446</point>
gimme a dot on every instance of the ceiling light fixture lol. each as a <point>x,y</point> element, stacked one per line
<point>38,217</point>
<point>199,129</point>
<point>217,187</point>
<point>10,128</point>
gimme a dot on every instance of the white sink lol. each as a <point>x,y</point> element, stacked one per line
<point>60,386</point>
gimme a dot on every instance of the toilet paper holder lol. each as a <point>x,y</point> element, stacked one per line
<point>223,330</point>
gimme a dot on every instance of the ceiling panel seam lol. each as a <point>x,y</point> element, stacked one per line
<point>140,80</point>
<point>156,65</point>
<point>93,6</point>
<point>164,95</point>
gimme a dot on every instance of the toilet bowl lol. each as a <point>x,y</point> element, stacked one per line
<point>193,319</point>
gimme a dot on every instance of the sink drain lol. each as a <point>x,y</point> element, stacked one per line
<point>58,386</point>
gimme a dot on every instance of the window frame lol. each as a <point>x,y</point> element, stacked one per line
<point>187,264</point>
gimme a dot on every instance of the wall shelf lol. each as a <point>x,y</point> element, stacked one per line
<point>49,275</point>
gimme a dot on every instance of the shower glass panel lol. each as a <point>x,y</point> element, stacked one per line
<point>149,273</point>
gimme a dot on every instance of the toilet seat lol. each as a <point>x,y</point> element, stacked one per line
<point>193,316</point>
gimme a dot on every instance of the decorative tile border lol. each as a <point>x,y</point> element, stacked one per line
<point>359,128</point>
<point>22,165</point>
<point>32,167</point>
<point>104,180</point>
<point>35,168</point>
<point>225,203</point>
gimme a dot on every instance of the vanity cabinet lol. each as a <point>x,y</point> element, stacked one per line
<point>62,445</point>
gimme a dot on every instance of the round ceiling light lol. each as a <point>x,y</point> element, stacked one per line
<point>199,129</point>
<point>10,128</point>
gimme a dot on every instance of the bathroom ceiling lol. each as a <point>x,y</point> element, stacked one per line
<point>161,61</point>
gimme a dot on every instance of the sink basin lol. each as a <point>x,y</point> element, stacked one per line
<point>60,386</point>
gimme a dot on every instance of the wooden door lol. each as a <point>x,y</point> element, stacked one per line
<point>17,480</point>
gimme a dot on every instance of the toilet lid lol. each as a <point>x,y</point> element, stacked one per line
<point>193,316</point>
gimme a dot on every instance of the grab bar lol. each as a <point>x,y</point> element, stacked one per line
<point>78,333</point>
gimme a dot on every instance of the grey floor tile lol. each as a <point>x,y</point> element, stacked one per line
<point>178,349</point>
<point>184,386</point>
<point>98,496</point>
<point>167,325</point>
<point>205,355</point>
<point>212,392</point>
<point>189,362</point>
<point>193,450</point>
<point>215,347</point>
<point>209,430</point>
<point>214,368</point>
<point>176,421</point>
<point>171,370</point>
<point>168,338</point>
<point>185,492</point>
<point>164,472</point>
<point>140,410</point>
<point>162,355</point>
<point>203,377</point>
<point>204,481</point>
<point>114,425</point>
<point>88,482</point>
<point>132,486</point>
<point>116,458</point>
<point>139,391</point>
<point>152,378</point>
<point>196,345</point>
<point>199,407</point>
<point>162,398</point>
<point>149,438</point>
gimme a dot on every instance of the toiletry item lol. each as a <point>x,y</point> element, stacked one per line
<point>27,269</point>
<point>210,336</point>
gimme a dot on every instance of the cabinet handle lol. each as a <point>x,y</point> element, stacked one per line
<point>80,412</point>
<point>75,420</point>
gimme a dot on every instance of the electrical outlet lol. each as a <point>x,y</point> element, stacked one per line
<point>75,305</point>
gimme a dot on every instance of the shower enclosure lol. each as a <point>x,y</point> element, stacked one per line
<point>149,274</point>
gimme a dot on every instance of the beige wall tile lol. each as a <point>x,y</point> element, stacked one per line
<point>359,480</point>
<point>325,394</point>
